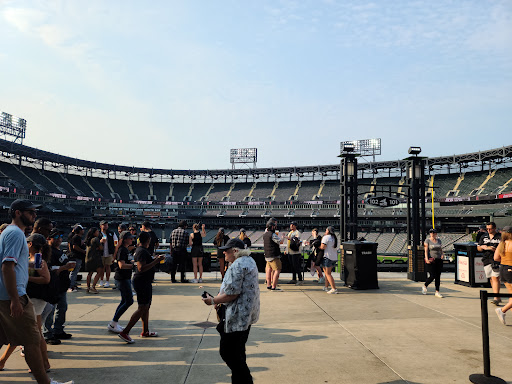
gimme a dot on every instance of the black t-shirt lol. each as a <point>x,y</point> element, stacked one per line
<point>142,255</point>
<point>152,242</point>
<point>488,256</point>
<point>123,274</point>
<point>59,259</point>
<point>77,240</point>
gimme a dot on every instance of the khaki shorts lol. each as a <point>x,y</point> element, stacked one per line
<point>22,330</point>
<point>275,264</point>
<point>107,260</point>
<point>489,271</point>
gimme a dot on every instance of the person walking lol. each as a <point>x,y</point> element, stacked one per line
<point>18,325</point>
<point>503,254</point>
<point>142,283</point>
<point>434,261</point>
<point>329,245</point>
<point>240,294</point>
<point>123,278</point>
<point>220,240</point>
<point>197,252</point>
<point>93,258</point>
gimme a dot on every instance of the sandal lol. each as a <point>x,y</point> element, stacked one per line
<point>149,334</point>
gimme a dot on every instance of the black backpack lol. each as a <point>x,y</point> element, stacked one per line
<point>295,243</point>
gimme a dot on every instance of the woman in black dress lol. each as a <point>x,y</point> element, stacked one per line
<point>93,258</point>
<point>196,241</point>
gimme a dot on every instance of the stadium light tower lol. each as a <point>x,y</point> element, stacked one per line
<point>366,147</point>
<point>12,127</point>
<point>243,156</point>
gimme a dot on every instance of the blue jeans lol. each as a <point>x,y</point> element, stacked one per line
<point>75,272</point>
<point>125,287</point>
<point>60,318</point>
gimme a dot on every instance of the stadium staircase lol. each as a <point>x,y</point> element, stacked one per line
<point>481,187</point>
<point>455,190</point>
<point>295,195</point>
<point>251,191</point>
<point>226,197</point>
<point>77,191</point>
<point>93,190</point>
<point>188,197</point>
<point>58,187</point>
<point>272,195</point>
<point>318,195</point>
<point>133,195</point>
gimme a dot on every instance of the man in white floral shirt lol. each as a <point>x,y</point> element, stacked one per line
<point>240,293</point>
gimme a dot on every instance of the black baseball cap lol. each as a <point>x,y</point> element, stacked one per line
<point>242,230</point>
<point>55,232</point>
<point>146,224</point>
<point>233,243</point>
<point>432,230</point>
<point>103,222</point>
<point>294,223</point>
<point>23,205</point>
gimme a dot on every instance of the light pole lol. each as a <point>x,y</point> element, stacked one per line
<point>416,220</point>
<point>348,193</point>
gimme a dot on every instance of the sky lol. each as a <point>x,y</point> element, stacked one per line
<point>177,84</point>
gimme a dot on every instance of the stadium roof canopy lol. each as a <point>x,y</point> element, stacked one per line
<point>8,149</point>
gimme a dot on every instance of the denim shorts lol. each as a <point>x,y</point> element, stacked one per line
<point>327,263</point>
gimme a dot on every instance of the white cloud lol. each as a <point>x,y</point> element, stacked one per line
<point>23,18</point>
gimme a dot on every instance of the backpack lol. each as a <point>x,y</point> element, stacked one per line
<point>295,244</point>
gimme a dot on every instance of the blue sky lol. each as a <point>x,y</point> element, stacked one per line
<point>176,84</point>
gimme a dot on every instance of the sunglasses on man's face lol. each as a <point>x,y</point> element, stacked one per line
<point>58,236</point>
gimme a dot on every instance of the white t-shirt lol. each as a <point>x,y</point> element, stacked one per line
<point>329,251</point>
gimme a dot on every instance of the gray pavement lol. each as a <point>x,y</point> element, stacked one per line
<point>391,335</point>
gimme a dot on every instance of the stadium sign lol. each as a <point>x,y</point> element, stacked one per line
<point>382,201</point>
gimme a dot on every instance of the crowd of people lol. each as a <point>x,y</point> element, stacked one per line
<point>37,275</point>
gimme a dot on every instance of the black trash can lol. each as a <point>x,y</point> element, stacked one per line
<point>469,268</point>
<point>360,264</point>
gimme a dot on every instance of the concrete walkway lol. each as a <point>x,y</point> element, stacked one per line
<point>391,335</point>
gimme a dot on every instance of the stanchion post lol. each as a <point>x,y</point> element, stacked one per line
<point>485,333</point>
<point>486,378</point>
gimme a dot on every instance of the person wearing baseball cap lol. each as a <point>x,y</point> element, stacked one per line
<point>122,276</point>
<point>240,294</point>
<point>243,236</point>
<point>18,325</point>
<point>434,261</point>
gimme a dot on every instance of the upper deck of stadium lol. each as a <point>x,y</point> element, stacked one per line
<point>26,168</point>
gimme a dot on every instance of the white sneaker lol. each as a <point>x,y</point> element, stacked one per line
<point>101,283</point>
<point>299,283</point>
<point>58,382</point>
<point>193,281</point>
<point>439,295</point>
<point>106,285</point>
<point>200,280</point>
<point>501,316</point>
<point>333,292</point>
<point>321,280</point>
<point>424,290</point>
<point>325,289</point>
<point>114,328</point>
